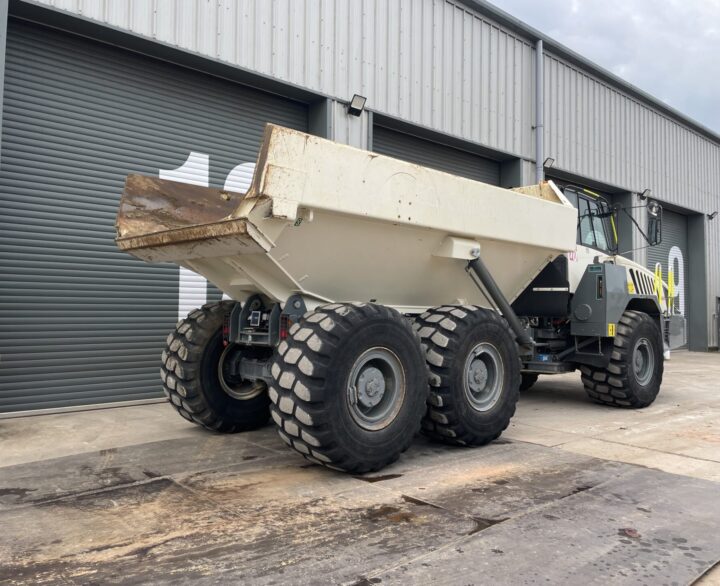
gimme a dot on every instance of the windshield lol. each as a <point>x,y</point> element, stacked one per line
<point>593,229</point>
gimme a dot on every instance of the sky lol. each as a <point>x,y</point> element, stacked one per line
<point>668,48</point>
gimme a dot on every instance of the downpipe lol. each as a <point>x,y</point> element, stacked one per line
<point>539,113</point>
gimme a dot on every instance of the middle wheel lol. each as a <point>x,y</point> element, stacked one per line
<point>349,386</point>
<point>474,374</point>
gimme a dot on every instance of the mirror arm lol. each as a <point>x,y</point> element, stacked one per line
<point>644,235</point>
<point>634,221</point>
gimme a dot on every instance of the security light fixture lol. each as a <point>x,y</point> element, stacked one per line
<point>549,162</point>
<point>712,216</point>
<point>357,105</point>
<point>645,194</point>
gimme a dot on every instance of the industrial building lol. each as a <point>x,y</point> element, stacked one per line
<point>91,90</point>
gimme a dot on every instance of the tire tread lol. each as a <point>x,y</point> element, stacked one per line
<point>442,422</point>
<point>609,386</point>
<point>299,409</point>
<point>181,365</point>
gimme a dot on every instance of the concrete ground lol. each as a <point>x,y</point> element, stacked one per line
<point>572,492</point>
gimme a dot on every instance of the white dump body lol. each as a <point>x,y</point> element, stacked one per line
<point>335,223</point>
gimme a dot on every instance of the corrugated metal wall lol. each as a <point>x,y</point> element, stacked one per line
<point>598,132</point>
<point>82,323</point>
<point>441,65</point>
<point>413,59</point>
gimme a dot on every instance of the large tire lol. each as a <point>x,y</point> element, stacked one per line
<point>464,408</point>
<point>191,379</point>
<point>321,415</point>
<point>528,380</point>
<point>633,377</point>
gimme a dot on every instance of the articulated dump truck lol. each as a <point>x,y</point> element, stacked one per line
<point>369,298</point>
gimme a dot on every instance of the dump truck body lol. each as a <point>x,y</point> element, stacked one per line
<point>332,222</point>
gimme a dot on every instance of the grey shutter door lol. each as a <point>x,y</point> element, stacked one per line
<point>397,144</point>
<point>674,235</point>
<point>80,322</point>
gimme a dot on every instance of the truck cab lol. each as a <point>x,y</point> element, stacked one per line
<point>584,308</point>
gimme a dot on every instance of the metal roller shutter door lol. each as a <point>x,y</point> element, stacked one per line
<point>672,252</point>
<point>438,156</point>
<point>82,323</point>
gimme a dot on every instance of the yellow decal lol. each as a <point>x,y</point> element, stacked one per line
<point>658,284</point>
<point>611,330</point>
<point>631,288</point>
<point>612,223</point>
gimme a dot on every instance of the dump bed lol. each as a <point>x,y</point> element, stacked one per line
<point>337,223</point>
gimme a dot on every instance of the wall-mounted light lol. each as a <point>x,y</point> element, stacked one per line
<point>356,105</point>
<point>712,216</point>
<point>645,194</point>
<point>549,162</point>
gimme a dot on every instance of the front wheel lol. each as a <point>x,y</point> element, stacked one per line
<point>632,378</point>
<point>349,386</point>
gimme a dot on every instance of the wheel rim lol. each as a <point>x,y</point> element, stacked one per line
<point>483,377</point>
<point>376,388</point>
<point>240,389</point>
<point>643,360</point>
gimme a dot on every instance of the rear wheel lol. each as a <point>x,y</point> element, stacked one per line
<point>349,386</point>
<point>632,378</point>
<point>474,374</point>
<point>197,378</point>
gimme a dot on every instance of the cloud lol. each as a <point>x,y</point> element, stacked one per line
<point>668,48</point>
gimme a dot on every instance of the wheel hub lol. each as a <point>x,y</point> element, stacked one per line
<point>238,388</point>
<point>483,376</point>
<point>376,388</point>
<point>370,387</point>
<point>643,361</point>
<point>478,376</point>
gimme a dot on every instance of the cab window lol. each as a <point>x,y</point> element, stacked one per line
<point>592,229</point>
<point>591,226</point>
<point>599,227</point>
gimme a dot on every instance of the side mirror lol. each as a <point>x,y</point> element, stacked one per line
<point>654,233</point>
